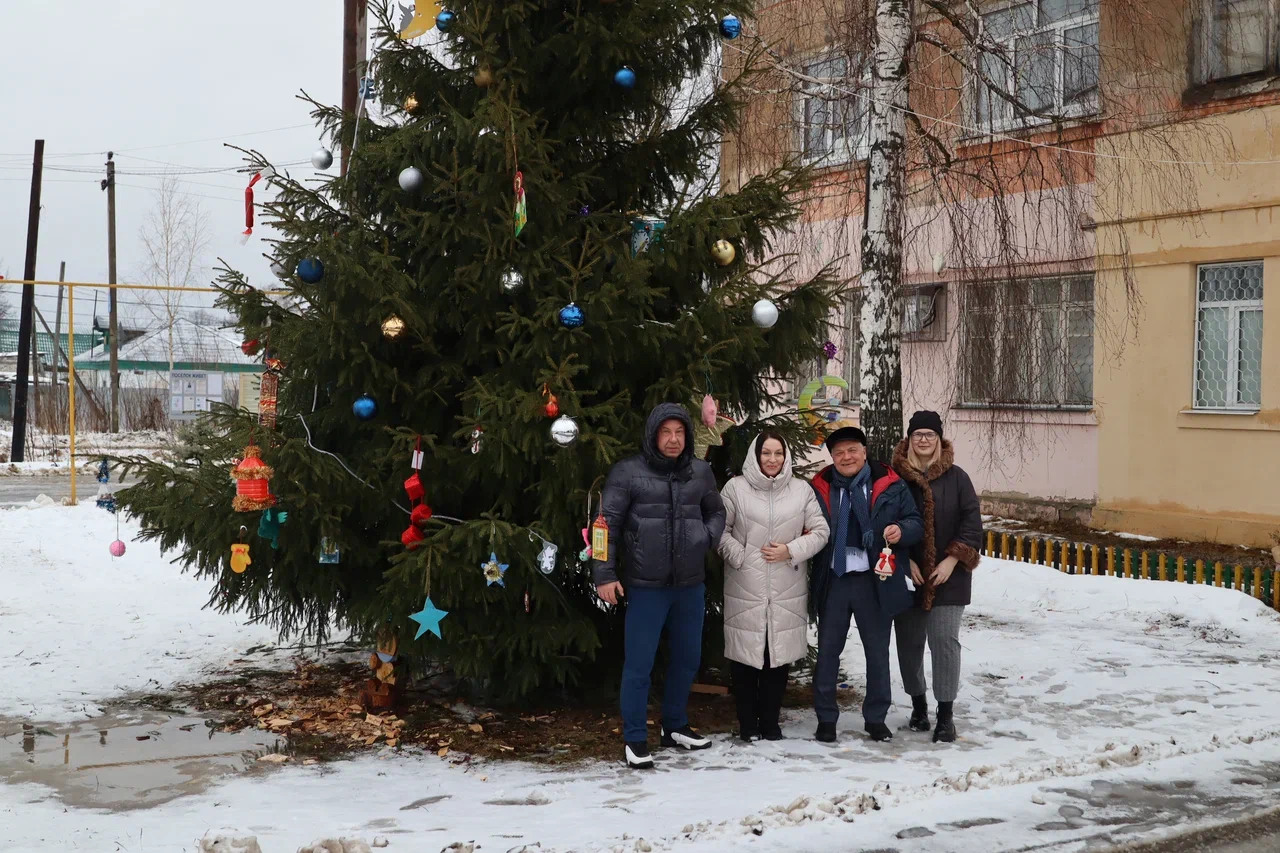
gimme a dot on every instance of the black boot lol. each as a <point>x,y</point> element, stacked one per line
<point>946,729</point>
<point>879,732</point>
<point>919,714</point>
<point>826,733</point>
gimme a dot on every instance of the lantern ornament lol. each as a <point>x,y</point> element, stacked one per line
<point>251,474</point>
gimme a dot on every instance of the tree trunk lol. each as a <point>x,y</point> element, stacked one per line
<point>880,322</point>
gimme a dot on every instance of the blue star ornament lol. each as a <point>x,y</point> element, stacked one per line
<point>493,570</point>
<point>428,619</point>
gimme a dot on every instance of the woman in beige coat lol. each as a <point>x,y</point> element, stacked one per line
<point>773,526</point>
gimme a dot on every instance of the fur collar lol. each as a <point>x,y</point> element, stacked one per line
<point>902,464</point>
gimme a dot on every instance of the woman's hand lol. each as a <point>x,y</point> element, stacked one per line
<point>775,552</point>
<point>916,577</point>
<point>942,572</point>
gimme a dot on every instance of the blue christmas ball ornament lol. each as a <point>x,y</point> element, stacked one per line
<point>730,27</point>
<point>365,407</point>
<point>571,316</point>
<point>310,270</point>
<point>625,78</point>
<point>444,20</point>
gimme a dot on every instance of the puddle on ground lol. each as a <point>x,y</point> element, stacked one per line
<point>138,761</point>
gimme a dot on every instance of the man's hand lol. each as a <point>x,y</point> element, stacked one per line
<point>893,534</point>
<point>942,572</point>
<point>916,577</point>
<point>610,593</point>
<point>776,553</point>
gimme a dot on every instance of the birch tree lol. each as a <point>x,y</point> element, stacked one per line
<point>175,240</point>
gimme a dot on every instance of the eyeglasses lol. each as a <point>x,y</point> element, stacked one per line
<point>921,435</point>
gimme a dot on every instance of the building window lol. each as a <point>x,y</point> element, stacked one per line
<point>833,121</point>
<point>1029,342</point>
<point>1045,54</point>
<point>1229,336</point>
<point>1235,38</point>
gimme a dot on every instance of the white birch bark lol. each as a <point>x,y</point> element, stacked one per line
<point>880,322</point>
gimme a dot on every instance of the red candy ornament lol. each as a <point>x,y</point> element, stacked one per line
<point>412,537</point>
<point>249,347</point>
<point>413,487</point>
<point>420,516</point>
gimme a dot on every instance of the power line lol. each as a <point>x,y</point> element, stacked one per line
<point>175,144</point>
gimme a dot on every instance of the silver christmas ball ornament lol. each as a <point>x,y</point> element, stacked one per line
<point>764,313</point>
<point>411,179</point>
<point>564,431</point>
<point>278,270</point>
<point>512,280</point>
<point>322,159</point>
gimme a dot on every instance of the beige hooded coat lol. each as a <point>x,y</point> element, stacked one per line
<point>761,599</point>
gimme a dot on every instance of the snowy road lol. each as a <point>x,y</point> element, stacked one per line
<point>1093,709</point>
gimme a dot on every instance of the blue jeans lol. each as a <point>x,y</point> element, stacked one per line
<point>649,609</point>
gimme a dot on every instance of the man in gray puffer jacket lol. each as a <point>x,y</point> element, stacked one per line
<point>664,513</point>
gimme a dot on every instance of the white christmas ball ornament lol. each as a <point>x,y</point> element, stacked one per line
<point>322,159</point>
<point>278,270</point>
<point>512,280</point>
<point>411,179</point>
<point>764,313</point>
<point>564,431</point>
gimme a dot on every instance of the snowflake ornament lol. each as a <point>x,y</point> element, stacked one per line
<point>493,571</point>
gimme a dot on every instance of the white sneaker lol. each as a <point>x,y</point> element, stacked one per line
<point>638,757</point>
<point>685,738</point>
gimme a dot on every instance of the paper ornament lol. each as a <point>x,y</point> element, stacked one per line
<point>547,558</point>
<point>419,20</point>
<point>886,564</point>
<point>270,523</point>
<point>240,560</point>
<point>494,571</point>
<point>248,208</point>
<point>329,553</point>
<point>428,619</point>
<point>106,498</point>
<point>522,208</point>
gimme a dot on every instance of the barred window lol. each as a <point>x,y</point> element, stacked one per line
<point>1229,336</point>
<point>833,121</point>
<point>1029,342</point>
<point>1234,38</point>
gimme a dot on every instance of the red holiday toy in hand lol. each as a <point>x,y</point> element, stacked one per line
<point>886,565</point>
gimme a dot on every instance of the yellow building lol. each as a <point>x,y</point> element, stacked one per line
<point>1188,401</point>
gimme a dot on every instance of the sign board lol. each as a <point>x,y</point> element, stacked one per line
<point>250,391</point>
<point>191,392</point>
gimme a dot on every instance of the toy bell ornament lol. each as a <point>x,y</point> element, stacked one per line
<point>886,565</point>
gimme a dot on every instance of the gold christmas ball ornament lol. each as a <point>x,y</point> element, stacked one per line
<point>392,327</point>
<point>723,252</point>
<point>411,104</point>
<point>483,77</point>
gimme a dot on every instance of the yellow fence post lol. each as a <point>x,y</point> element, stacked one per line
<point>1128,564</point>
<point>1111,560</point>
<point>1257,582</point>
<point>1079,558</point>
<point>991,543</point>
<point>1163,563</point>
<point>1146,567</point>
<point>1239,579</point>
<point>1004,546</point>
<point>71,383</point>
<point>1217,573</point>
<point>1199,571</point>
<point>1094,550</point>
<point>1035,550</point>
<point>1182,570</point>
<point>1017,544</point>
<point>1275,589</point>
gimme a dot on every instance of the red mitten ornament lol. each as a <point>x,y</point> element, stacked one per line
<point>886,565</point>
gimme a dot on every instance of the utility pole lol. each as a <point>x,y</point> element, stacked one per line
<point>355,29</point>
<point>26,316</point>
<point>112,326</point>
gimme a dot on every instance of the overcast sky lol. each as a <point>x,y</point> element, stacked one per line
<point>146,79</point>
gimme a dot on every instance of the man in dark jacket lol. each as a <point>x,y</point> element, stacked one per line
<point>664,512</point>
<point>868,507</point>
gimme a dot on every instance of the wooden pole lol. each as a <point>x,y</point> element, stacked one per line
<point>113,326</point>
<point>27,312</point>
<point>71,383</point>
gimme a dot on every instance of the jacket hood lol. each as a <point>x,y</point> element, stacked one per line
<point>665,412</point>
<point>756,478</point>
<point>902,463</point>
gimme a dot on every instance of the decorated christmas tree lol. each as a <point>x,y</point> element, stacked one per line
<point>527,252</point>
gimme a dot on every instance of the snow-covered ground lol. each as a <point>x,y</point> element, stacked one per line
<point>1091,707</point>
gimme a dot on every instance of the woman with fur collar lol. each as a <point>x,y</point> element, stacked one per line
<point>941,566</point>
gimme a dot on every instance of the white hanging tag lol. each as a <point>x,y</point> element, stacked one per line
<point>416,464</point>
